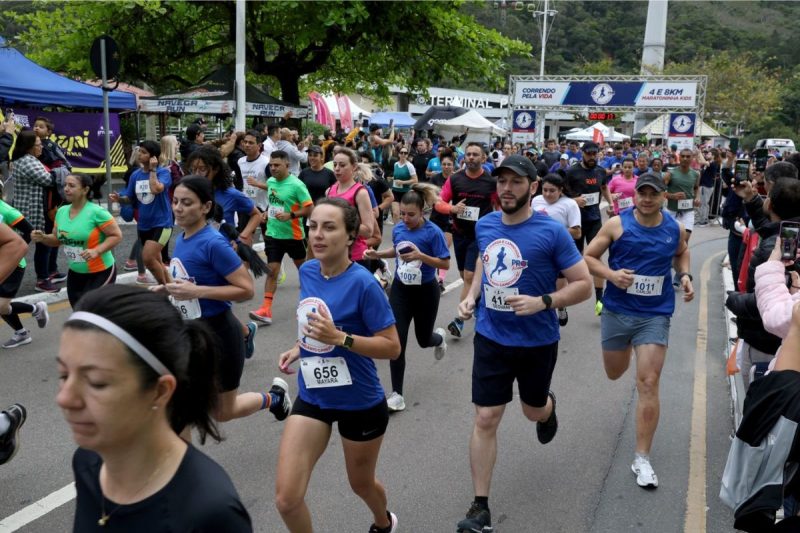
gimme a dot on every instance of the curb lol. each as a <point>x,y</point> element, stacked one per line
<point>736,383</point>
<point>127,278</point>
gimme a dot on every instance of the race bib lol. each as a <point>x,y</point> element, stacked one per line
<point>592,198</point>
<point>470,213</point>
<point>249,190</point>
<point>73,254</point>
<point>274,210</point>
<point>306,306</point>
<point>143,187</point>
<point>646,285</point>
<point>409,274</point>
<point>495,297</point>
<point>189,309</point>
<point>624,203</point>
<point>686,204</point>
<point>320,372</point>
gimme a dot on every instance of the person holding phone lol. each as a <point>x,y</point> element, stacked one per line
<point>642,244</point>
<point>344,323</point>
<point>420,248</point>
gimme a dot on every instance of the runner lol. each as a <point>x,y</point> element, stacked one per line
<point>206,275</point>
<point>403,177</point>
<point>344,322</point>
<point>345,164</point>
<point>683,186</point>
<point>254,167</point>
<point>288,203</point>
<point>516,333</point>
<point>148,187</point>
<point>444,222</point>
<point>234,203</point>
<point>420,248</point>
<point>586,183</point>
<point>474,192</point>
<point>554,203</point>
<point>642,244</point>
<point>622,188</point>
<point>87,233</point>
<point>9,288</point>
<point>127,391</point>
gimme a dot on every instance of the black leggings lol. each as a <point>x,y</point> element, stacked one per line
<point>80,284</point>
<point>420,303</point>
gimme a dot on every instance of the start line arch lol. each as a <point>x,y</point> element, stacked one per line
<point>531,96</point>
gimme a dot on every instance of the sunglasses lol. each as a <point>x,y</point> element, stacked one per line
<point>403,152</point>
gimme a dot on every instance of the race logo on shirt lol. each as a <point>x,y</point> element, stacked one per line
<point>402,245</point>
<point>503,263</point>
<point>311,305</point>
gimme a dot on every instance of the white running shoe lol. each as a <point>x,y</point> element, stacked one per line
<point>40,314</point>
<point>645,476</point>
<point>439,351</point>
<point>395,402</point>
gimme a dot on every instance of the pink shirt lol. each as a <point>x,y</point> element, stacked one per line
<point>360,245</point>
<point>625,188</point>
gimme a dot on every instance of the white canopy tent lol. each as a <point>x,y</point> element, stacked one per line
<point>655,129</point>
<point>587,134</point>
<point>475,125</point>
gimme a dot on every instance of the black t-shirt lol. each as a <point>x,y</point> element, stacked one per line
<point>551,158</point>
<point>420,162</point>
<point>317,181</point>
<point>709,174</point>
<point>480,192</point>
<point>580,181</point>
<point>199,498</point>
<point>378,186</point>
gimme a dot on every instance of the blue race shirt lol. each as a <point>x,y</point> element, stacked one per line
<point>155,210</point>
<point>527,257</point>
<point>648,252</point>
<point>233,201</point>
<point>435,165</point>
<point>208,257</point>
<point>358,306</point>
<point>428,239</point>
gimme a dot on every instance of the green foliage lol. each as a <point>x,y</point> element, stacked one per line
<point>363,46</point>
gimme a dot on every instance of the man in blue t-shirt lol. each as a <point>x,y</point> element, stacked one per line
<point>640,300</point>
<point>516,330</point>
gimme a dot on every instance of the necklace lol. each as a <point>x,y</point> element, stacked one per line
<point>327,277</point>
<point>104,518</point>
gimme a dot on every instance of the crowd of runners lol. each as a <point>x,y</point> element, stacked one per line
<point>529,240</point>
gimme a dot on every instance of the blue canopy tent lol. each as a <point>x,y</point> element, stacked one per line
<point>25,82</point>
<point>401,119</point>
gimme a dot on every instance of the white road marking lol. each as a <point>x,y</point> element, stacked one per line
<point>38,509</point>
<point>453,286</point>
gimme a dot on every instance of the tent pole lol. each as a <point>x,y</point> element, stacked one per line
<point>241,28</point>
<point>106,125</point>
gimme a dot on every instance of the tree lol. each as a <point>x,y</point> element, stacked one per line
<point>364,46</point>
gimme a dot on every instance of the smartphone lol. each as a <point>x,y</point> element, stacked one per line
<point>391,122</point>
<point>789,232</point>
<point>406,250</point>
<point>761,155</point>
<point>741,171</point>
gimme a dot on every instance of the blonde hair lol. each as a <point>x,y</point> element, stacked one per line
<point>363,173</point>
<point>421,195</point>
<point>169,150</point>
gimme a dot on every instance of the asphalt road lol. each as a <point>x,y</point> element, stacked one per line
<point>580,482</point>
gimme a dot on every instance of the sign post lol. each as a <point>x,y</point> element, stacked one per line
<point>104,58</point>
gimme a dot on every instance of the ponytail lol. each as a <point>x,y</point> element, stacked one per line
<point>421,194</point>
<point>250,257</point>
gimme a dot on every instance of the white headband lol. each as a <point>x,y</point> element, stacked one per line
<point>123,336</point>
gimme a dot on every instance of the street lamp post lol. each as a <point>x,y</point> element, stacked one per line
<point>546,12</point>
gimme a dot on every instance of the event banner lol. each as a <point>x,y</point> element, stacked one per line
<point>80,136</point>
<point>643,94</point>
<point>681,130</point>
<point>523,128</point>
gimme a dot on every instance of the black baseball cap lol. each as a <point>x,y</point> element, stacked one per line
<point>590,146</point>
<point>519,164</point>
<point>651,180</point>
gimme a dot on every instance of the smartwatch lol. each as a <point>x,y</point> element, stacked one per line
<point>548,302</point>
<point>347,343</point>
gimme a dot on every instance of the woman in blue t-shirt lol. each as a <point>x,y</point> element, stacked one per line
<point>344,322</point>
<point>420,248</point>
<point>205,275</point>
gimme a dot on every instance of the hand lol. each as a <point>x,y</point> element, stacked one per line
<point>37,235</point>
<point>153,163</point>
<point>775,255</point>
<point>616,196</point>
<point>744,190</point>
<point>413,255</point>
<point>524,305</point>
<point>622,278</point>
<point>181,289</point>
<point>466,308</point>
<point>246,238</point>
<point>679,195</point>
<point>460,206</point>
<point>9,126</point>
<point>283,217</point>
<point>157,288</point>
<point>581,201</point>
<point>321,328</point>
<point>795,279</point>
<point>688,290</point>
<point>252,181</point>
<point>369,253</point>
<point>697,202</point>
<point>113,196</point>
<point>90,253</point>
<point>287,358</point>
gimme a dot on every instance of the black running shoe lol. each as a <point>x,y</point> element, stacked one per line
<point>456,327</point>
<point>282,408</point>
<point>8,441</point>
<point>545,431</point>
<point>478,520</point>
<point>563,316</point>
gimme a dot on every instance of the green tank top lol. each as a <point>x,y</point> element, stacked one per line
<point>83,232</point>
<point>10,217</point>
<point>681,182</point>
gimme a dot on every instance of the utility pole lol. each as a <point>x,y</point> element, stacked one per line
<point>655,37</point>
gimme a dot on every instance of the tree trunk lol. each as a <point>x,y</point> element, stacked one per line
<point>290,86</point>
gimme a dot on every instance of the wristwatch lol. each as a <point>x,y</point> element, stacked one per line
<point>681,274</point>
<point>548,302</point>
<point>347,343</point>
<point>292,215</point>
